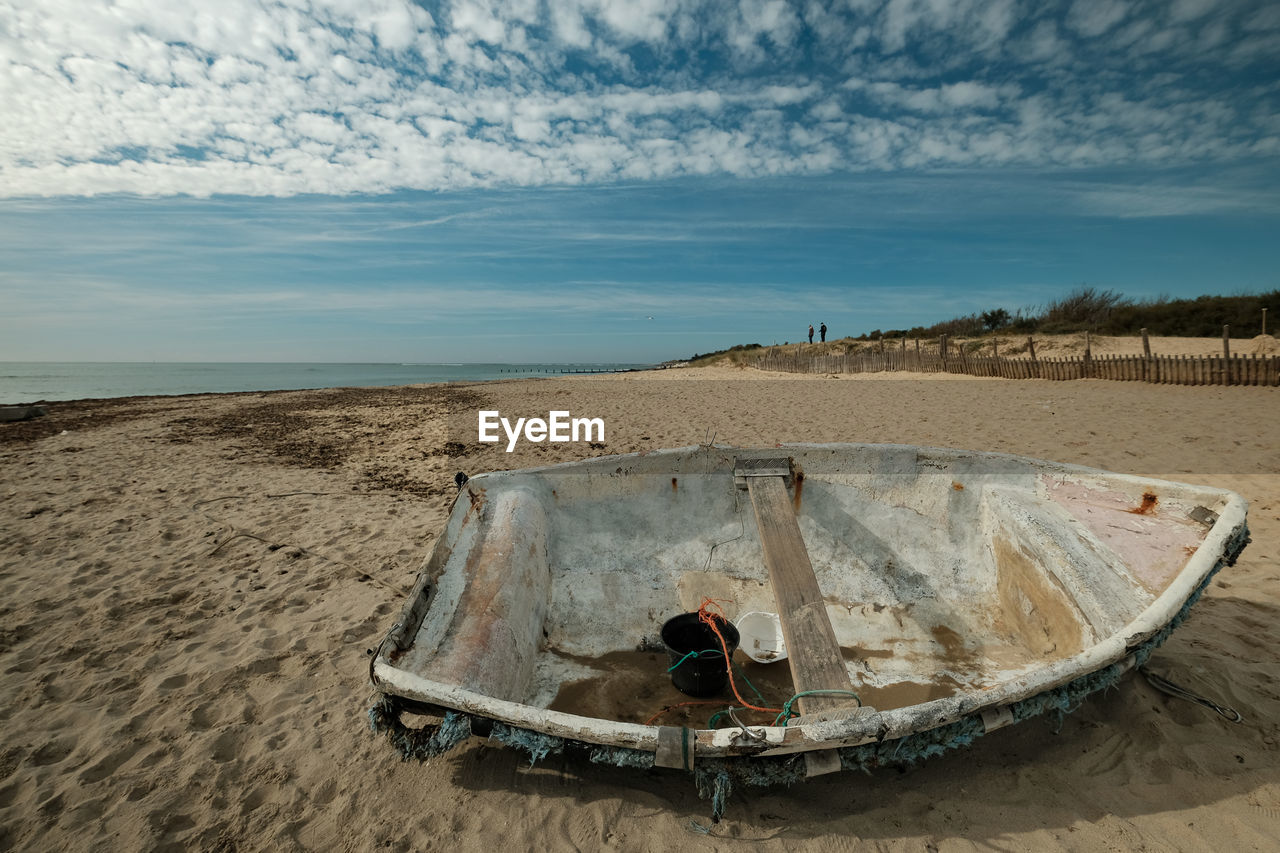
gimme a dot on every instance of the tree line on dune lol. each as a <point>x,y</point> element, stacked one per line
<point>1106,312</point>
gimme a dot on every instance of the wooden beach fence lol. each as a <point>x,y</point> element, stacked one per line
<point>1226,369</point>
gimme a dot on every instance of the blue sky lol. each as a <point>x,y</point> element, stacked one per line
<point>387,181</point>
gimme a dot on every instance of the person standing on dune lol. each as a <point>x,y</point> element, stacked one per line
<point>810,333</point>
<point>822,330</point>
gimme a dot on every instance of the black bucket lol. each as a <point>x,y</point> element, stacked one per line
<point>705,673</point>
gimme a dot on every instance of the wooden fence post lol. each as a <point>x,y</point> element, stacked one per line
<point>1264,321</point>
<point>1226,341</point>
<point>1031,345</point>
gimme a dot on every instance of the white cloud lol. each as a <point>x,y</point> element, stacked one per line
<point>979,23</point>
<point>951,97</point>
<point>1092,18</point>
<point>570,25</point>
<point>474,22</point>
<point>1267,18</point>
<point>1183,11</point>
<point>636,20</point>
<point>268,97</point>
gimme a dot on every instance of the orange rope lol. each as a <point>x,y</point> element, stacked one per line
<point>707,617</point>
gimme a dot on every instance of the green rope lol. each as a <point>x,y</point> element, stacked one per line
<point>695,655</point>
<point>786,715</point>
<point>783,718</point>
<point>759,695</point>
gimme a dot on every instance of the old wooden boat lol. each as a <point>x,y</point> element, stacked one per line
<point>926,596</point>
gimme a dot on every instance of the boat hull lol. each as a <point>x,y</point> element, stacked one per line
<point>964,589</point>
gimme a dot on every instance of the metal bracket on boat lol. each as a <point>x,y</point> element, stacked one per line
<point>997,718</point>
<point>675,748</point>
<point>820,763</point>
<point>746,734</point>
<point>778,466</point>
<point>1204,515</point>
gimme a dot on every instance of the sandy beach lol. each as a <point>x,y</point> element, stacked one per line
<point>191,587</point>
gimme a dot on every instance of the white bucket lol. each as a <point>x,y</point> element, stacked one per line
<point>762,636</point>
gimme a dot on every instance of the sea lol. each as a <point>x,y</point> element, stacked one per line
<point>35,381</point>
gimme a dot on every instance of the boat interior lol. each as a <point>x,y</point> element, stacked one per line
<point>900,574</point>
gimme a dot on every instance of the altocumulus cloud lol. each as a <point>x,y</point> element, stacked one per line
<point>256,97</point>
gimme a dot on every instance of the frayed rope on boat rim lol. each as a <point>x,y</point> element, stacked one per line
<point>422,743</point>
<point>716,777</point>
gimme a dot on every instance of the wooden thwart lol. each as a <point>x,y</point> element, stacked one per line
<point>813,652</point>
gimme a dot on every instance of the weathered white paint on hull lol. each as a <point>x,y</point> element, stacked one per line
<point>981,578</point>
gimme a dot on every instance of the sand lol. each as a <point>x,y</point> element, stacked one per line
<point>191,586</point>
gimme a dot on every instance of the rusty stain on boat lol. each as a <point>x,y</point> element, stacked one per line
<point>1149,501</point>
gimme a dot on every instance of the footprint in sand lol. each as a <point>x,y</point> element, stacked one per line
<point>204,717</point>
<point>53,752</point>
<point>173,682</point>
<point>325,793</point>
<point>226,746</point>
<point>108,766</point>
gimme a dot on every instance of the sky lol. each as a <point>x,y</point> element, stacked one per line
<point>380,180</point>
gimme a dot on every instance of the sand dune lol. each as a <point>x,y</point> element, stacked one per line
<point>191,585</point>
<point>1059,346</point>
